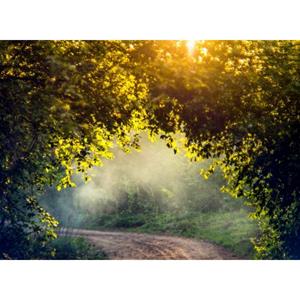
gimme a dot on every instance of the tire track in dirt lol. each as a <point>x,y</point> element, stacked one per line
<point>127,245</point>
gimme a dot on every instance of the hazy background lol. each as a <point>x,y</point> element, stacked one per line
<point>151,181</point>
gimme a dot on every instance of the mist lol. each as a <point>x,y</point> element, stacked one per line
<point>151,181</point>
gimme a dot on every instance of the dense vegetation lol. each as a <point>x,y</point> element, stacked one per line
<point>63,103</point>
<point>74,248</point>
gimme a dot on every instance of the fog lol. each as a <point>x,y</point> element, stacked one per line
<point>153,180</point>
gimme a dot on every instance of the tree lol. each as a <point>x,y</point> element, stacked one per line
<point>238,103</point>
<point>63,103</point>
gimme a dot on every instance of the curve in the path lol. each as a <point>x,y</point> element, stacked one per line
<point>127,245</point>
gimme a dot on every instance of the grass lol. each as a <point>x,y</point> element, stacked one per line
<point>232,230</point>
<point>68,248</point>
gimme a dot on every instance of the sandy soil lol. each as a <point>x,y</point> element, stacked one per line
<point>126,245</point>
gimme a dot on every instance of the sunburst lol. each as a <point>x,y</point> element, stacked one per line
<point>190,45</point>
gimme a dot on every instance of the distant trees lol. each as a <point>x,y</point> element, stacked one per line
<point>138,187</point>
<point>62,103</point>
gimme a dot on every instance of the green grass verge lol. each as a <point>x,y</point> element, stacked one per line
<point>75,248</point>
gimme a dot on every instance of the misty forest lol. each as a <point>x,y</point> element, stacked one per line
<point>149,150</point>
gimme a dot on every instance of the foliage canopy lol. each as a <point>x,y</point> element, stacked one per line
<point>64,103</point>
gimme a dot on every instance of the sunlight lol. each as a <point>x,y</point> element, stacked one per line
<point>204,51</point>
<point>191,45</point>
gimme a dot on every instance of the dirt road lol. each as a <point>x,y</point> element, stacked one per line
<point>125,245</point>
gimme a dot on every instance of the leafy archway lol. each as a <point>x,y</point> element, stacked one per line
<point>63,103</point>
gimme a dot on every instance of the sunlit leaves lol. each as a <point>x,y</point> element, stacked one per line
<point>64,104</point>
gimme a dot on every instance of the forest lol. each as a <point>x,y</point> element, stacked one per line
<point>195,139</point>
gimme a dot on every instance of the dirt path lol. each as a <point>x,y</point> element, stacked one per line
<point>126,245</point>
